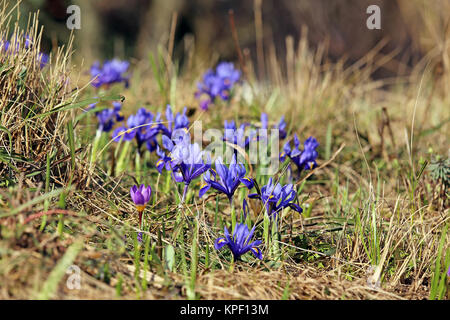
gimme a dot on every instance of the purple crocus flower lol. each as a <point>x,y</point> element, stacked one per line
<point>226,179</point>
<point>107,117</point>
<point>304,159</point>
<point>240,243</point>
<point>140,196</point>
<point>448,271</point>
<point>111,72</point>
<point>277,197</point>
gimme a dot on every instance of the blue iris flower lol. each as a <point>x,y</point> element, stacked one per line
<point>277,197</point>
<point>164,158</point>
<point>240,242</point>
<point>304,159</point>
<point>185,160</point>
<point>226,179</point>
<point>42,57</point>
<point>217,83</point>
<point>111,72</point>
<point>108,117</point>
<point>238,136</point>
<point>142,126</point>
<point>281,126</point>
<point>179,121</point>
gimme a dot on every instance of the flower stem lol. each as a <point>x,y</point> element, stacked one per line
<point>186,186</point>
<point>233,261</point>
<point>233,215</point>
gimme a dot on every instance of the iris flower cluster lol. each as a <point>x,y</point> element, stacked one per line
<point>108,117</point>
<point>217,84</point>
<point>184,160</point>
<point>226,179</point>
<point>42,57</point>
<point>110,72</point>
<point>238,136</point>
<point>240,242</point>
<point>277,197</point>
<point>304,159</point>
<point>281,126</point>
<point>145,127</point>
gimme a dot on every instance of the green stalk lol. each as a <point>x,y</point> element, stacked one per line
<point>95,146</point>
<point>233,215</point>
<point>194,262</point>
<point>138,166</point>
<point>266,224</point>
<point>121,162</point>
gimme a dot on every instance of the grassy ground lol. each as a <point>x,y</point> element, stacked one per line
<point>375,217</point>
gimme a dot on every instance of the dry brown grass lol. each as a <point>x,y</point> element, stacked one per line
<point>30,97</point>
<point>364,196</point>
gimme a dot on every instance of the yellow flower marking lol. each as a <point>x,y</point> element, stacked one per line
<point>140,207</point>
<point>204,184</point>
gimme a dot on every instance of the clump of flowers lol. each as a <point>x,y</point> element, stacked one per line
<point>110,72</point>
<point>142,126</point>
<point>238,136</point>
<point>277,197</point>
<point>179,121</point>
<point>217,84</point>
<point>145,127</point>
<point>304,159</point>
<point>41,57</point>
<point>240,242</point>
<point>226,179</point>
<point>281,125</point>
<point>185,160</point>
<point>108,117</point>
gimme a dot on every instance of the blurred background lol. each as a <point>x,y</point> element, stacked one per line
<point>411,29</point>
